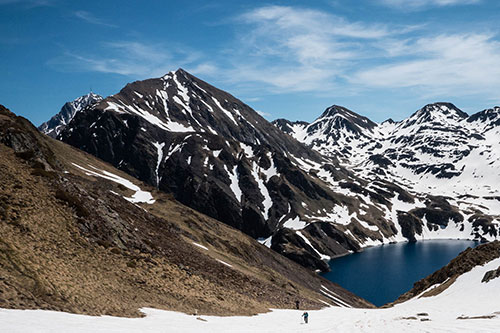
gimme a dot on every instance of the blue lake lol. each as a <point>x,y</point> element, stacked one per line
<point>381,273</point>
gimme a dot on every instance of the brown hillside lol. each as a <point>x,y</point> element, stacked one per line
<point>70,242</point>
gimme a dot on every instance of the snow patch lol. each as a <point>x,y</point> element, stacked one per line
<point>139,195</point>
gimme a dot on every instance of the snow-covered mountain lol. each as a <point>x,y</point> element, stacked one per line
<point>57,123</point>
<point>333,133</point>
<point>437,151</point>
<point>218,156</point>
<point>438,145</point>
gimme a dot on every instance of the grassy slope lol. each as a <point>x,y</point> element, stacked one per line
<point>67,243</point>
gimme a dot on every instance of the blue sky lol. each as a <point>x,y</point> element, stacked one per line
<point>286,59</point>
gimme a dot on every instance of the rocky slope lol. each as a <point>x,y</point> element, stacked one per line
<point>218,156</point>
<point>57,123</point>
<point>78,235</point>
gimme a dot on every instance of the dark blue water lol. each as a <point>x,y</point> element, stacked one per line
<point>380,274</point>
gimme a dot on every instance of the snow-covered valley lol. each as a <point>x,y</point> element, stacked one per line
<point>468,305</point>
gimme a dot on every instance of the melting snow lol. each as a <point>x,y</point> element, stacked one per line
<point>139,195</point>
<point>224,263</point>
<point>227,113</point>
<point>295,224</point>
<point>321,255</point>
<point>268,202</point>
<point>159,149</point>
<point>266,241</point>
<point>199,245</point>
<point>233,177</point>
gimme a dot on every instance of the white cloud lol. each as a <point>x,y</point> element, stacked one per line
<point>132,58</point>
<point>203,69</point>
<point>310,35</point>
<point>90,18</point>
<point>285,49</point>
<point>459,64</point>
<point>417,4</point>
<point>262,113</point>
<point>300,50</point>
<point>297,49</point>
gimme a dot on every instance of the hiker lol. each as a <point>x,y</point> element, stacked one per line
<point>306,317</point>
<point>297,304</point>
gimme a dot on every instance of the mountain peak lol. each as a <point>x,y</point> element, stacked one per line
<point>439,112</point>
<point>179,72</point>
<point>57,123</point>
<point>336,109</point>
<point>290,127</point>
<point>445,108</point>
<point>489,117</point>
<point>352,120</point>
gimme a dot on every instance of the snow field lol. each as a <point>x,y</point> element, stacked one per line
<point>466,297</point>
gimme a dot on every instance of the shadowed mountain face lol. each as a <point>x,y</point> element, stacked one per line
<point>218,156</point>
<point>208,148</point>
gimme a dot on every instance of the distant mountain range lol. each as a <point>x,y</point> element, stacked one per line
<point>439,149</point>
<point>308,191</point>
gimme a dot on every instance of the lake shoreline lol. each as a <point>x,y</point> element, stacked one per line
<point>380,274</point>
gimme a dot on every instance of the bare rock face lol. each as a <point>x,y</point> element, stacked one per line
<point>490,275</point>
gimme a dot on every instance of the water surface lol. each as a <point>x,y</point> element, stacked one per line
<point>381,273</point>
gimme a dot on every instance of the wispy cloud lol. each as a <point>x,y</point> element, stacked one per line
<point>419,4</point>
<point>298,49</point>
<point>445,64</point>
<point>29,3</point>
<point>90,18</point>
<point>311,35</point>
<point>281,49</point>
<point>262,113</point>
<point>293,49</point>
<point>131,58</point>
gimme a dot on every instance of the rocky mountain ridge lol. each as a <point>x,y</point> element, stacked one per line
<point>57,123</point>
<point>434,143</point>
<point>218,156</point>
<point>438,151</point>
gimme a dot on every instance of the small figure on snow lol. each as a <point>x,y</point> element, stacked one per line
<point>297,304</point>
<point>306,317</point>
